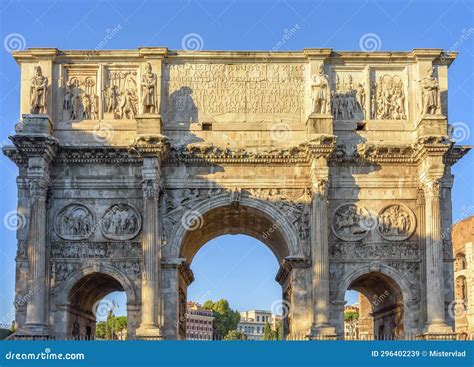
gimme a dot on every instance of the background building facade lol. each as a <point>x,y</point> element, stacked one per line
<point>463,254</point>
<point>199,322</point>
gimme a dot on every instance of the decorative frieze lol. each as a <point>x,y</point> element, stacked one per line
<point>97,250</point>
<point>348,251</point>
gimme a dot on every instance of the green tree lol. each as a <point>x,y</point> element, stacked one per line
<point>279,330</point>
<point>235,335</point>
<point>225,319</point>
<point>350,316</point>
<point>109,329</point>
<point>268,333</point>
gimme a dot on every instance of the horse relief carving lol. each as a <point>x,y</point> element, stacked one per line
<point>121,222</point>
<point>351,222</point>
<point>74,222</point>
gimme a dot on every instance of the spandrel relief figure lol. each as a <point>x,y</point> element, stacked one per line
<point>39,85</point>
<point>321,91</point>
<point>430,94</point>
<point>149,90</point>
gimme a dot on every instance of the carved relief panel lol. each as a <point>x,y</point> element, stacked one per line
<point>396,222</point>
<point>349,95</point>
<point>388,95</point>
<point>120,93</point>
<point>351,222</point>
<point>80,96</point>
<point>74,222</point>
<point>194,92</point>
<point>121,222</point>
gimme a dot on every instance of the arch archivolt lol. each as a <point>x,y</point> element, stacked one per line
<point>127,284</point>
<point>344,275</point>
<point>279,219</point>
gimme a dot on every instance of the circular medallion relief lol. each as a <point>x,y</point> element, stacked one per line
<point>121,222</point>
<point>351,222</point>
<point>396,222</point>
<point>74,222</point>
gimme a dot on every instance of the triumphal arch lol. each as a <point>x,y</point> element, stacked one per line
<point>130,161</point>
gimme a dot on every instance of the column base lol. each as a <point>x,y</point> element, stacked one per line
<point>322,332</point>
<point>32,332</point>
<point>438,331</point>
<point>149,332</point>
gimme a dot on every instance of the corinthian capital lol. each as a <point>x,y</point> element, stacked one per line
<point>320,187</point>
<point>151,188</point>
<point>38,188</point>
<point>433,187</point>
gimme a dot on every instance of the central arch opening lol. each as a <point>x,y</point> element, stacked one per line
<point>235,253</point>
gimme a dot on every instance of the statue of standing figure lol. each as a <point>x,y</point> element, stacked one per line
<point>39,85</point>
<point>320,92</point>
<point>149,90</point>
<point>430,94</point>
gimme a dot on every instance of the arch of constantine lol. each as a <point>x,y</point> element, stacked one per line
<point>130,161</point>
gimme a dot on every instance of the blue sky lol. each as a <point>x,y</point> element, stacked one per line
<point>244,25</point>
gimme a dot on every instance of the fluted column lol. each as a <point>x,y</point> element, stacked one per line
<point>436,321</point>
<point>151,319</point>
<point>36,306</point>
<point>320,253</point>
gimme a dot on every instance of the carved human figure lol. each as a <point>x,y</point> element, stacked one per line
<point>67,101</point>
<point>320,91</point>
<point>430,93</point>
<point>361,97</point>
<point>39,85</point>
<point>149,90</point>
<point>461,289</point>
<point>94,107</point>
<point>77,108</point>
<point>86,104</point>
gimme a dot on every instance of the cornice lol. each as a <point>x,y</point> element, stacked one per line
<point>161,52</point>
<point>365,154</point>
